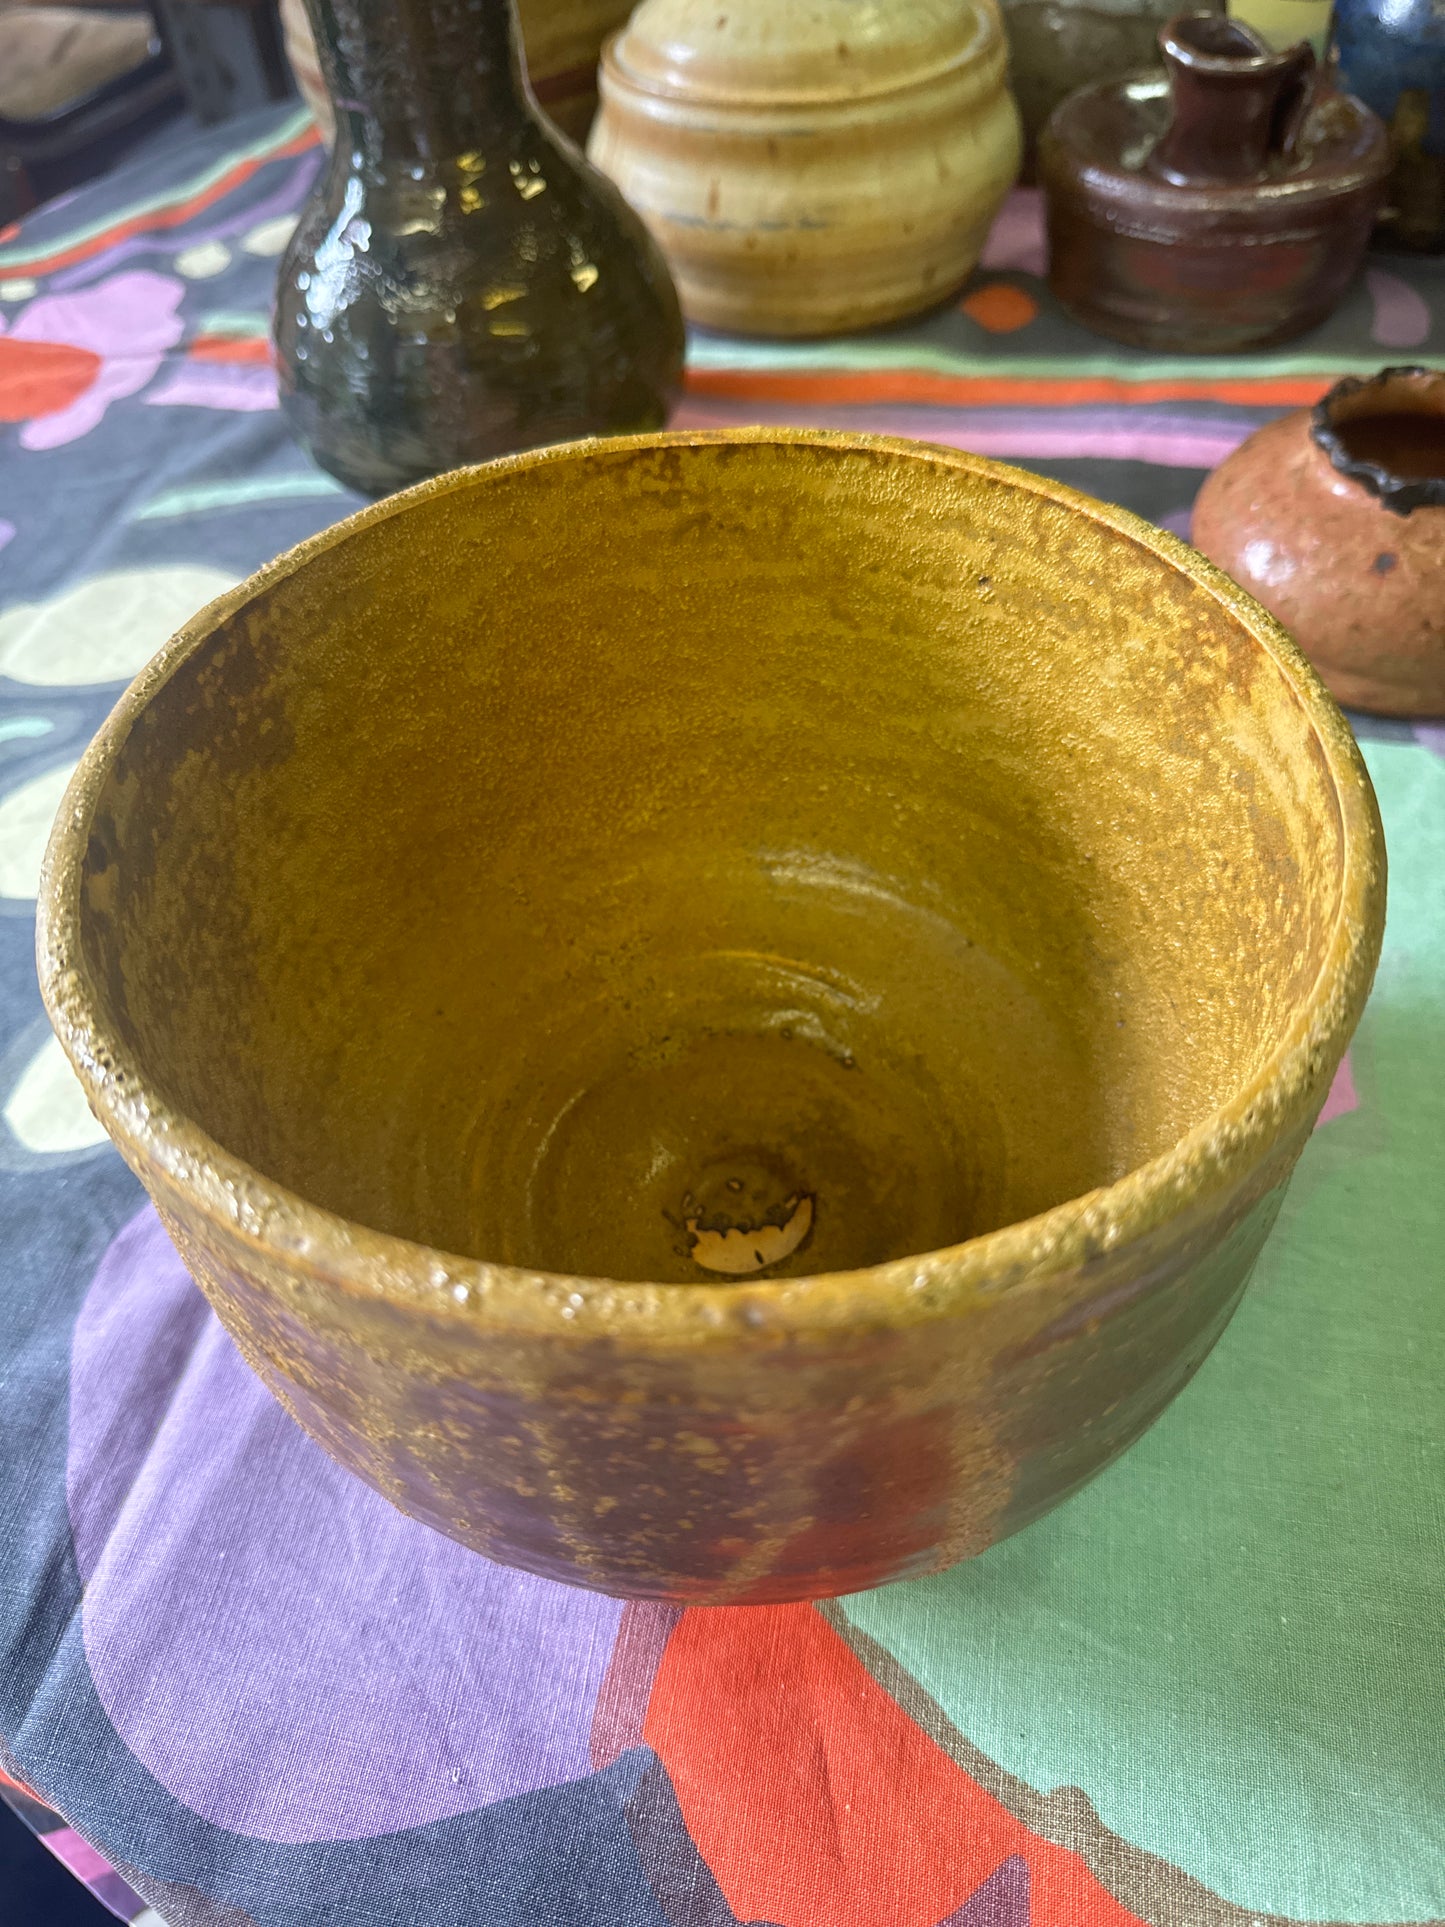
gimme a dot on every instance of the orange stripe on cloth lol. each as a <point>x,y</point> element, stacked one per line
<point>8,1779</point>
<point>159,218</point>
<point>816,1800</point>
<point>955,391</point>
<point>251,350</point>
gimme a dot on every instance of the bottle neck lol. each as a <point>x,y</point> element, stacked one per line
<point>1237,105</point>
<point>420,79</point>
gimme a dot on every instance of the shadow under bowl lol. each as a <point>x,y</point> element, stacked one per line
<point>721,1017</point>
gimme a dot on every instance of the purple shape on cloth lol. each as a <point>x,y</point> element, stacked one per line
<point>243,388</point>
<point>1178,522</point>
<point>129,320</point>
<point>287,1654</point>
<point>1017,239</point>
<point>1431,736</point>
<point>1133,438</point>
<point>1002,1900</point>
<point>622,1699</point>
<point>7,531</point>
<point>1127,433</point>
<point>1401,316</point>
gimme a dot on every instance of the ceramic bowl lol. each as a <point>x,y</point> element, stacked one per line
<point>814,169</point>
<point>721,1017</point>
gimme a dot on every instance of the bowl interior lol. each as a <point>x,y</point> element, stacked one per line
<point>688,860</point>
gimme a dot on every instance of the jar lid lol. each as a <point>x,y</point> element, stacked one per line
<point>798,51</point>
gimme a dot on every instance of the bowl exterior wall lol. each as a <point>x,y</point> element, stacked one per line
<point>764,1467</point>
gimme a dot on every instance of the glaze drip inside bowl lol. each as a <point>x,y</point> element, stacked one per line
<point>708,858</point>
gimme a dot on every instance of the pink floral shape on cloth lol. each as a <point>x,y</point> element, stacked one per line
<point>288,1655</point>
<point>1400,314</point>
<point>1017,240</point>
<point>202,384</point>
<point>1343,1097</point>
<point>128,322</point>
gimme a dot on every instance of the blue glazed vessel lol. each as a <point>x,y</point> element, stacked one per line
<point>1392,55</point>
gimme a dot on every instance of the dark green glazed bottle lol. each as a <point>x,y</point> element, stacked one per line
<point>461,283</point>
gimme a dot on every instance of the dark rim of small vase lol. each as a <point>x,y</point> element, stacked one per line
<point>1400,494</point>
<point>1213,44</point>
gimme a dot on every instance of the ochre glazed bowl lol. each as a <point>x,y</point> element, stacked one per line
<point>720,1017</point>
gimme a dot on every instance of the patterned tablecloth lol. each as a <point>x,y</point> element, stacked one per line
<point>1210,1689</point>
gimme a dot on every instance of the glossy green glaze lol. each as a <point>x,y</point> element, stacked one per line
<point>461,284</point>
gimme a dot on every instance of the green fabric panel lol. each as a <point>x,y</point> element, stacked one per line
<point>1234,1640</point>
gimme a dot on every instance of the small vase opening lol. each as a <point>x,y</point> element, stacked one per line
<point>1388,434</point>
<point>1238,106</point>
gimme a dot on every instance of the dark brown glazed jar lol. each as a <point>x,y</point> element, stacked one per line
<point>1222,205</point>
<point>461,284</point>
<point>1334,518</point>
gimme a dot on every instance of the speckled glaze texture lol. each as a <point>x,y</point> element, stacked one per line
<point>1347,553</point>
<point>1224,206</point>
<point>461,284</point>
<point>816,169</point>
<point>562,40</point>
<point>673,818</point>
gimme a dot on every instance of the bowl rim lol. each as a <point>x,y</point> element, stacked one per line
<point>1201,1170</point>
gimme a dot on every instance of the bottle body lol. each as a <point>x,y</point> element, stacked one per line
<point>461,284</point>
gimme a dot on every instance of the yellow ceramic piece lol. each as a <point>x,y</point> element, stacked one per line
<point>1281,23</point>
<point>722,1017</point>
<point>809,170</point>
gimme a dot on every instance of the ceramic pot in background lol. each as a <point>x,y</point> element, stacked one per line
<point>811,170</point>
<point>1392,54</point>
<point>1224,207</point>
<point>1335,519</point>
<point>562,40</point>
<point>1058,45</point>
<point>486,929</point>
<point>461,283</point>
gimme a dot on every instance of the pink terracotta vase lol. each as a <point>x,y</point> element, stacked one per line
<point>1334,517</point>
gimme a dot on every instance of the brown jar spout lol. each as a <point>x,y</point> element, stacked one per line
<point>1238,106</point>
